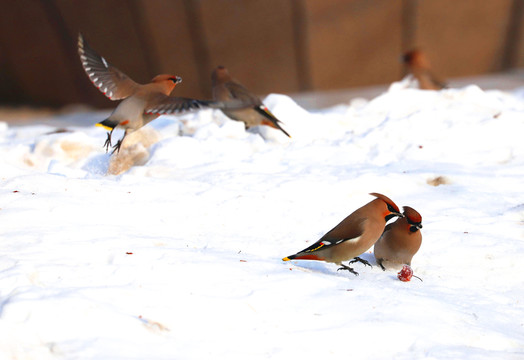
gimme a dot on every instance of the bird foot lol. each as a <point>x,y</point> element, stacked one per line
<point>117,147</point>
<point>357,259</point>
<point>107,144</point>
<point>350,269</point>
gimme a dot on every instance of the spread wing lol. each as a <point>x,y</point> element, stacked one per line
<point>112,82</point>
<point>164,104</point>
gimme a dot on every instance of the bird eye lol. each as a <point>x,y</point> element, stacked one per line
<point>413,228</point>
<point>390,208</point>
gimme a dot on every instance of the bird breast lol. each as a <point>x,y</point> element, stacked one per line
<point>132,111</point>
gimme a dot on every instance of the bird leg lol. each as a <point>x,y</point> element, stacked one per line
<point>107,144</point>
<point>345,267</point>
<point>118,144</point>
<point>357,259</point>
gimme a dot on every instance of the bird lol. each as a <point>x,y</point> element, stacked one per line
<point>418,65</point>
<point>140,104</point>
<point>225,88</point>
<point>400,240</point>
<point>353,235</point>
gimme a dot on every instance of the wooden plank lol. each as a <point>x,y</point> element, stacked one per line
<point>463,38</point>
<point>513,53</point>
<point>354,43</point>
<point>168,28</point>
<point>38,62</point>
<point>254,40</point>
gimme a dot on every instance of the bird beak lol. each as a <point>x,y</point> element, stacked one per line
<point>392,215</point>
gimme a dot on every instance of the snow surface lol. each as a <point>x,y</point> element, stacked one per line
<point>179,257</point>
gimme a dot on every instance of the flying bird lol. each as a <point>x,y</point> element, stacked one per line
<point>400,241</point>
<point>225,88</point>
<point>418,65</point>
<point>353,236</point>
<point>140,104</point>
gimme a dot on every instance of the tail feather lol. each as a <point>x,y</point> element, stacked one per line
<point>272,121</point>
<point>303,257</point>
<point>108,124</point>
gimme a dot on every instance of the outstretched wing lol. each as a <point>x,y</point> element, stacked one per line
<point>163,104</point>
<point>112,82</point>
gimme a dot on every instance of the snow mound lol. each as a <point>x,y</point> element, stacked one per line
<point>173,247</point>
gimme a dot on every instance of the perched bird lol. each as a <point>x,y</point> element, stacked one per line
<point>400,240</point>
<point>353,236</point>
<point>225,88</point>
<point>419,66</point>
<point>141,103</point>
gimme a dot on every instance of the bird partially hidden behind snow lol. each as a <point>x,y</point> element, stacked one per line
<point>400,241</point>
<point>141,103</point>
<point>353,236</point>
<point>225,88</point>
<point>418,65</point>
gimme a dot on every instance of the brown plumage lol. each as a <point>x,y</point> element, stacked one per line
<point>141,103</point>
<point>419,66</point>
<point>353,235</point>
<point>400,241</point>
<point>225,88</point>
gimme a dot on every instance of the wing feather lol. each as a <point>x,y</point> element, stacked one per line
<point>112,82</point>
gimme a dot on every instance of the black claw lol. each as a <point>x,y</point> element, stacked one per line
<point>118,144</point>
<point>107,144</point>
<point>357,259</point>
<point>350,269</point>
<point>117,147</point>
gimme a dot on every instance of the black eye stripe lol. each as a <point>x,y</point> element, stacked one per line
<point>418,224</point>
<point>413,228</point>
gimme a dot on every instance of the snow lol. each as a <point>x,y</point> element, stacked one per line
<point>172,249</point>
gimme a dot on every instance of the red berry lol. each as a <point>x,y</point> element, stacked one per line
<point>405,274</point>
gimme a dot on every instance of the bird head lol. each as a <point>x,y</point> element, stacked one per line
<point>165,77</point>
<point>391,210</point>
<point>416,58</point>
<point>220,75</point>
<point>413,218</point>
<point>175,79</point>
<point>166,82</point>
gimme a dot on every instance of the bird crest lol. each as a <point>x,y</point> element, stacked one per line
<point>412,215</point>
<point>387,201</point>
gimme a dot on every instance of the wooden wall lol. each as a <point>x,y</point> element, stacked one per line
<point>282,46</point>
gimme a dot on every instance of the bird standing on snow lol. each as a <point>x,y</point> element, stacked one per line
<point>142,103</point>
<point>353,236</point>
<point>418,65</point>
<point>225,88</point>
<point>400,240</point>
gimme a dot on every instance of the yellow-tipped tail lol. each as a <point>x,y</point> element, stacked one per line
<point>286,259</point>
<point>104,126</point>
